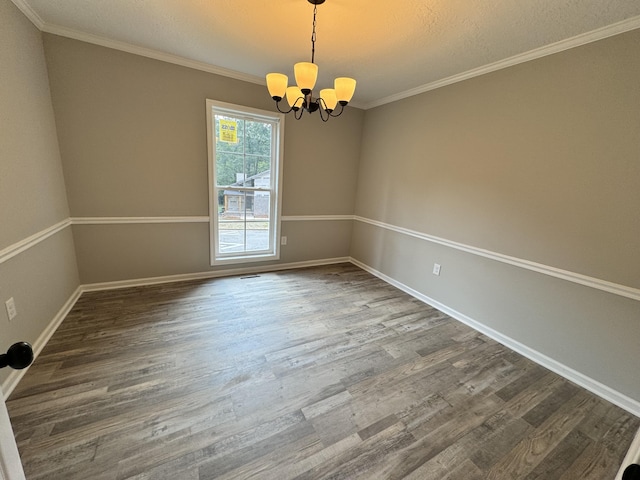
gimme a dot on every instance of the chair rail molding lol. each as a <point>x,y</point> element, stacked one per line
<point>32,240</point>
<point>597,283</point>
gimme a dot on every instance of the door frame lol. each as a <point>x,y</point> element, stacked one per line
<point>10,463</point>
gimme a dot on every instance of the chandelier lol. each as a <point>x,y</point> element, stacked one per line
<point>300,96</point>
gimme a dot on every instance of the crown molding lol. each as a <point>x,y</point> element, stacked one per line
<point>30,13</point>
<point>569,43</point>
<point>154,54</point>
<point>149,53</point>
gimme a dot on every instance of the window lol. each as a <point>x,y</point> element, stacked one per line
<point>245,158</point>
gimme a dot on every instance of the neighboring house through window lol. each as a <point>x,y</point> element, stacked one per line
<point>245,169</point>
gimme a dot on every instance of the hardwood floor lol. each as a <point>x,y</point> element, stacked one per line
<point>317,373</point>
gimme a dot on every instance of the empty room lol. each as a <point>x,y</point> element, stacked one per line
<point>314,239</point>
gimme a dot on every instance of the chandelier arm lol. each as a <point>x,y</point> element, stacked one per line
<point>339,113</point>
<point>322,117</point>
<point>323,106</point>
<point>297,114</point>
<point>282,111</point>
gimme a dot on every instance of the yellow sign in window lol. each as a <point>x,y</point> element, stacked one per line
<point>229,131</point>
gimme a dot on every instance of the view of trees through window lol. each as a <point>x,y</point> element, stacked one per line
<point>249,155</point>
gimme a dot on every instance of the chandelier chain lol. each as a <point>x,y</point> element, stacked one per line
<point>313,34</point>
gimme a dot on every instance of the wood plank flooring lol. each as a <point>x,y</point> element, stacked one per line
<point>317,373</point>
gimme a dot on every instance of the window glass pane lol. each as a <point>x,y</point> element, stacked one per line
<point>258,226</point>
<point>258,138</point>
<point>231,225</point>
<point>229,134</point>
<point>243,221</point>
<point>230,146</point>
<point>243,150</point>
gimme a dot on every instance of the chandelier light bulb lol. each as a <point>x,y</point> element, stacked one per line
<point>329,99</point>
<point>295,97</point>
<point>306,74</point>
<point>277,85</point>
<point>345,88</point>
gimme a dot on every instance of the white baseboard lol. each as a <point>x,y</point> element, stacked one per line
<point>630,405</point>
<point>16,375</point>
<point>138,282</point>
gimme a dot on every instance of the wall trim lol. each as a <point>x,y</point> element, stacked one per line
<point>128,220</point>
<point>138,282</point>
<point>582,39</point>
<point>15,376</point>
<point>585,280</point>
<point>32,240</point>
<point>149,53</point>
<point>30,13</point>
<point>603,391</point>
<point>312,218</point>
<point>193,219</point>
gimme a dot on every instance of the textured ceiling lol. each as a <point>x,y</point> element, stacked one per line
<point>392,47</point>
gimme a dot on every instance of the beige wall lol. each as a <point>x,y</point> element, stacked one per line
<point>32,190</point>
<point>541,162</point>
<point>132,136</point>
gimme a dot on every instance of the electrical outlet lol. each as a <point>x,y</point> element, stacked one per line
<point>11,308</point>
<point>436,269</point>
<point>283,240</point>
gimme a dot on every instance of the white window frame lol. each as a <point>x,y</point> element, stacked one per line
<point>277,119</point>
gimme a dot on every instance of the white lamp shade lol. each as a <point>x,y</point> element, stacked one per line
<point>295,98</point>
<point>306,75</point>
<point>328,95</point>
<point>277,84</point>
<point>345,88</point>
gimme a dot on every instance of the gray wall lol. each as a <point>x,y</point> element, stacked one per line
<point>540,162</point>
<point>32,191</point>
<point>132,134</point>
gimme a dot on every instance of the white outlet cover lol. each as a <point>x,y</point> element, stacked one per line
<point>436,269</point>
<point>11,308</point>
